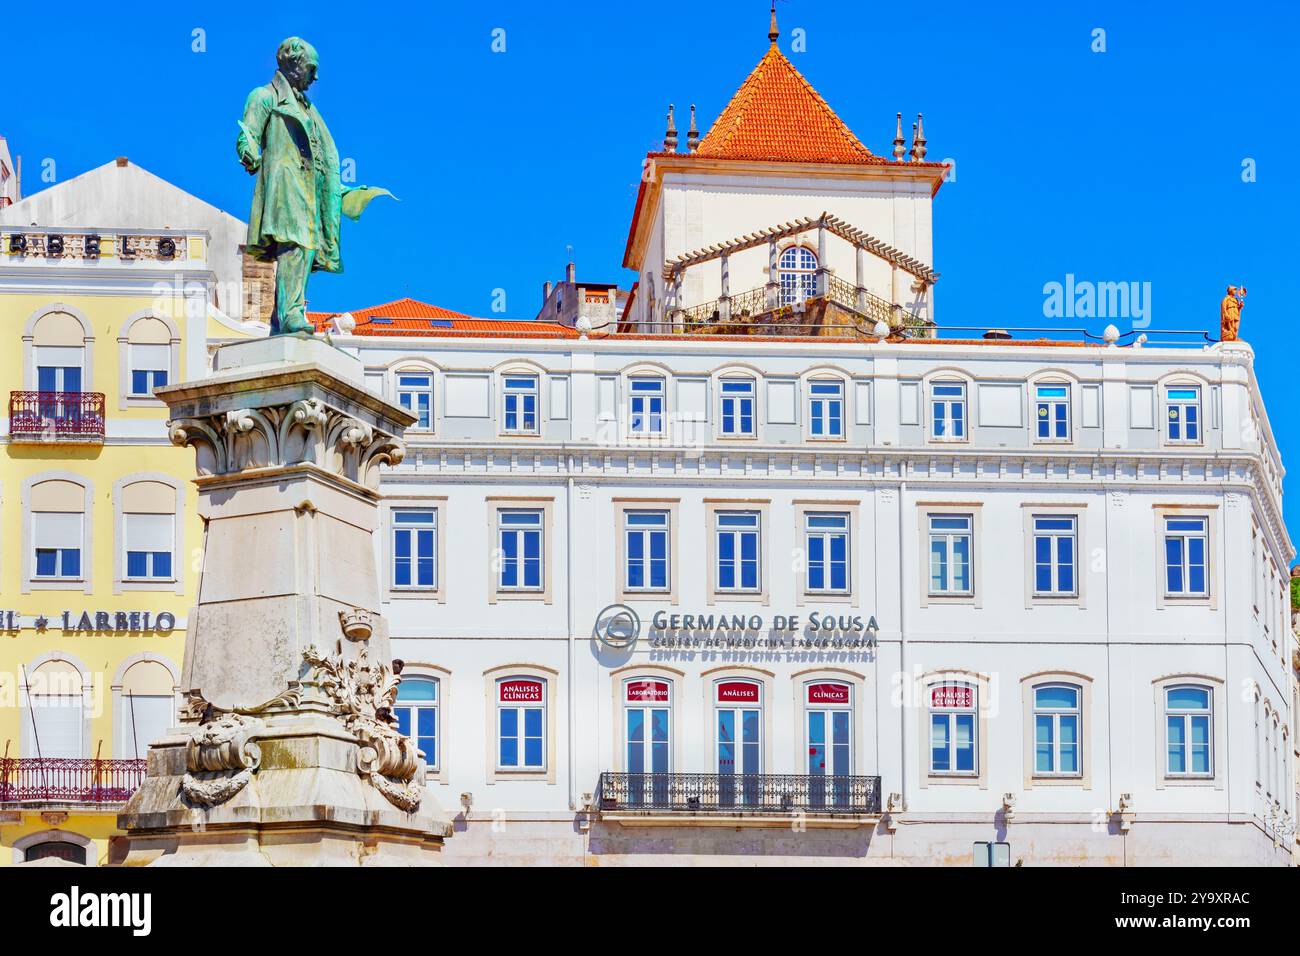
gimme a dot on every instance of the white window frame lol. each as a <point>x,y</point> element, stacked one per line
<point>1055,714</point>
<point>646,533</point>
<point>521,736</point>
<point>737,533</point>
<point>503,527</point>
<point>1185,566</point>
<point>1186,715</point>
<point>1052,402</point>
<point>434,766</point>
<point>1179,407</point>
<point>1055,536</point>
<point>640,422</point>
<point>826,534</point>
<point>809,708</point>
<point>949,536</point>
<point>948,402</point>
<point>415,392</point>
<point>127,578</point>
<point>396,526</point>
<point>824,418</point>
<point>951,714</point>
<point>738,399</point>
<point>520,394</point>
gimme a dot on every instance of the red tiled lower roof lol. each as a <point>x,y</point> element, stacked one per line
<point>407,317</point>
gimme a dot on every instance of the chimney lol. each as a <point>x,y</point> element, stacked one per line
<point>122,161</point>
<point>571,274</point>
<point>546,291</point>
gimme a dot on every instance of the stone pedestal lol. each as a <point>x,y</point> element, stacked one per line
<point>287,753</point>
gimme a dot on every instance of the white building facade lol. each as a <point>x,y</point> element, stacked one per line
<point>768,573</point>
<point>1053,638</point>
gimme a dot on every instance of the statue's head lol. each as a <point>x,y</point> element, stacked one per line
<point>297,61</point>
<point>1232,290</point>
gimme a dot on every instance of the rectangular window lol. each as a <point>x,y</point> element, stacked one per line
<point>738,551</point>
<point>520,540</point>
<point>646,540</point>
<point>1187,725</point>
<point>951,541</point>
<point>827,539</point>
<point>415,394</point>
<point>1183,415</point>
<point>415,549</point>
<point>1053,412</point>
<point>416,711</point>
<point>56,539</point>
<point>58,368</point>
<point>738,408</point>
<point>149,364</point>
<point>826,409</point>
<point>953,729</point>
<point>520,404</point>
<point>948,411</point>
<point>521,723</point>
<point>149,543</point>
<point>1186,550</point>
<point>646,404</point>
<point>1055,555</point>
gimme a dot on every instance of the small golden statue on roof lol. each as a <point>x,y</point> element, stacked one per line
<point>1230,313</point>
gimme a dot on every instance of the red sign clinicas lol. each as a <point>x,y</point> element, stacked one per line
<point>828,693</point>
<point>521,691</point>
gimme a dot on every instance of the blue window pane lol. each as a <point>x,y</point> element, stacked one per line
<point>1043,753</point>
<point>532,752</point>
<point>939,742</point>
<point>162,564</point>
<point>46,379</point>
<point>509,752</point>
<point>1177,751</point>
<point>1064,698</point>
<point>1174,565</point>
<point>532,544</point>
<point>965,742</point>
<point>426,718</point>
<point>71,562</point>
<point>137,564</point>
<point>532,722</point>
<point>1069,744</point>
<point>139,382</point>
<point>938,566</point>
<point>415,689</point>
<point>1188,698</point>
<point>46,562</point>
<point>403,715</point>
<point>532,573</point>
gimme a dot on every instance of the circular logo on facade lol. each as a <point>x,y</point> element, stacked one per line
<point>618,626</point>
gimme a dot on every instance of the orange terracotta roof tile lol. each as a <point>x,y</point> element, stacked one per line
<point>776,116</point>
<point>412,317</point>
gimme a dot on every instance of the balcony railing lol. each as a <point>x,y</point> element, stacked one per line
<point>750,313</point>
<point>59,780</point>
<point>57,417</point>
<point>729,794</point>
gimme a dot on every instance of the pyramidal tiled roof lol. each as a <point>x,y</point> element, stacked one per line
<point>776,116</point>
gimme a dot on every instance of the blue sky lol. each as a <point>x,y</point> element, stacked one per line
<point>1117,166</point>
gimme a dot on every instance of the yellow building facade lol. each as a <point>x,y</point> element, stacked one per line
<point>98,511</point>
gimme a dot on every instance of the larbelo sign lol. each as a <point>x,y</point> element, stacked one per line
<point>820,629</point>
<point>94,622</point>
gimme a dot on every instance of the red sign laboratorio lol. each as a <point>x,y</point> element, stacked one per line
<point>828,693</point>
<point>952,695</point>
<point>647,692</point>
<point>737,692</point>
<point>521,691</point>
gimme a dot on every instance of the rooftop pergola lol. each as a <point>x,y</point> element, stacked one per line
<point>855,297</point>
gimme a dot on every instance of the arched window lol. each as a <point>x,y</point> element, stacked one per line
<point>647,725</point>
<point>55,715</point>
<point>797,269</point>
<point>417,715</point>
<point>58,528</point>
<point>148,709</point>
<point>1188,731</point>
<point>738,732</point>
<point>828,706</point>
<point>59,353</point>
<point>148,532</point>
<point>56,850</point>
<point>954,728</point>
<point>521,723</point>
<point>149,358</point>
<point>1057,726</point>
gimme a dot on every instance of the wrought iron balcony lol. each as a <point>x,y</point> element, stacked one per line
<point>737,794</point>
<point>65,417</point>
<point>59,781</point>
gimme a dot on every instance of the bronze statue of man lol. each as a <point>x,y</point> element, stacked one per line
<point>299,194</point>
